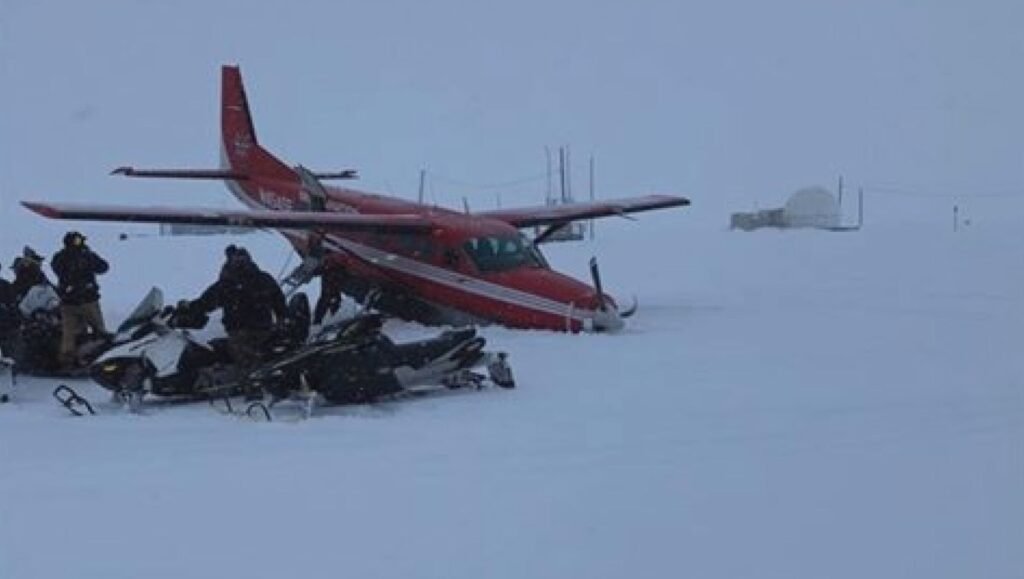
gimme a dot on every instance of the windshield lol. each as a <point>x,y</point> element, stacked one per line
<point>147,308</point>
<point>502,253</point>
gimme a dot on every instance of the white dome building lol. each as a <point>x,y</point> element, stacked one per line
<point>812,207</point>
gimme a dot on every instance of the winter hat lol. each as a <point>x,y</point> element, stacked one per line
<point>73,238</point>
<point>31,255</point>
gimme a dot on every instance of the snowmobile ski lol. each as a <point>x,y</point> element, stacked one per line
<point>75,403</point>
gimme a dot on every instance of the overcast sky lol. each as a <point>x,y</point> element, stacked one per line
<point>732,103</point>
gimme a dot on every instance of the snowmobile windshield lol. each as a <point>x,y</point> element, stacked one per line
<point>147,308</point>
<point>502,253</point>
<point>40,298</point>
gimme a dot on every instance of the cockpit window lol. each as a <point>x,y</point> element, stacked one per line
<point>502,253</point>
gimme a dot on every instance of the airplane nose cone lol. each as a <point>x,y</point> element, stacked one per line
<point>606,316</point>
<point>608,319</point>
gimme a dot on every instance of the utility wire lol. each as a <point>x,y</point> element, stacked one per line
<point>921,193</point>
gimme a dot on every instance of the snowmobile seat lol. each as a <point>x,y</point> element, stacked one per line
<point>418,354</point>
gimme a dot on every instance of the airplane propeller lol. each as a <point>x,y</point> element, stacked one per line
<point>612,317</point>
<point>595,275</point>
<point>628,312</point>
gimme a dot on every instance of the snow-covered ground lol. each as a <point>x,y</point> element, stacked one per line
<point>784,404</point>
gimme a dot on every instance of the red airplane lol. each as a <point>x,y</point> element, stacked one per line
<point>419,262</point>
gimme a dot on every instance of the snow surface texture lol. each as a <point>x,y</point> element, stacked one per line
<point>805,404</point>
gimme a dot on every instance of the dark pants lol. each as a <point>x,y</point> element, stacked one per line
<point>247,348</point>
<point>330,296</point>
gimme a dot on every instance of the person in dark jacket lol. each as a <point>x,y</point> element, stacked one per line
<point>77,266</point>
<point>9,319</point>
<point>28,273</point>
<point>332,277</point>
<point>252,303</point>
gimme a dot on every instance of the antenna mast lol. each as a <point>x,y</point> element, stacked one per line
<point>547,158</point>
<point>591,228</point>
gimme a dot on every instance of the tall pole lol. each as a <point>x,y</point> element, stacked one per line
<point>423,181</point>
<point>860,207</point>
<point>547,158</point>
<point>591,228</point>
<point>840,194</point>
<point>561,172</point>
<point>956,217</point>
<point>568,176</point>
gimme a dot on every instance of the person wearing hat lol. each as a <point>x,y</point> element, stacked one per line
<point>28,273</point>
<point>252,303</point>
<point>77,266</point>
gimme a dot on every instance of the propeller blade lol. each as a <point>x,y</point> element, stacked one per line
<point>596,276</point>
<point>630,310</point>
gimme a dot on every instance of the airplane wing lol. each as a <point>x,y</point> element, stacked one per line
<point>554,214</point>
<point>245,218</point>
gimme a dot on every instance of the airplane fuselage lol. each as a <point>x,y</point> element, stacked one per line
<point>467,269</point>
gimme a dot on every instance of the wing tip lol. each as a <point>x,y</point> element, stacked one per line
<point>675,200</point>
<point>42,209</point>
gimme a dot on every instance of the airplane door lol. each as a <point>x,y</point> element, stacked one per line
<point>455,259</point>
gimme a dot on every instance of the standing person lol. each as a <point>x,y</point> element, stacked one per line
<point>9,318</point>
<point>332,277</point>
<point>77,266</point>
<point>253,305</point>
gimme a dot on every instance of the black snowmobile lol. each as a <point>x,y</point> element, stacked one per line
<point>350,362</point>
<point>160,356</point>
<point>354,362</point>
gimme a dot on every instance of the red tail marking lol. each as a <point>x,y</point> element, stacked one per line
<point>242,151</point>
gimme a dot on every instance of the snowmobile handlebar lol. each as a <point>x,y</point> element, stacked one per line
<point>185,317</point>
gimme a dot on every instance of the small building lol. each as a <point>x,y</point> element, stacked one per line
<point>757,219</point>
<point>814,207</point>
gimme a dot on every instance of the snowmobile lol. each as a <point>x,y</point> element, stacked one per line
<point>349,362</point>
<point>161,356</point>
<point>354,362</point>
<point>34,345</point>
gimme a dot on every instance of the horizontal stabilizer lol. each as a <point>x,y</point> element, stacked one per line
<point>180,173</point>
<point>376,223</point>
<point>221,174</point>
<point>343,174</point>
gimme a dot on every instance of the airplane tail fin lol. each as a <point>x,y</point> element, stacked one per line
<point>240,151</point>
